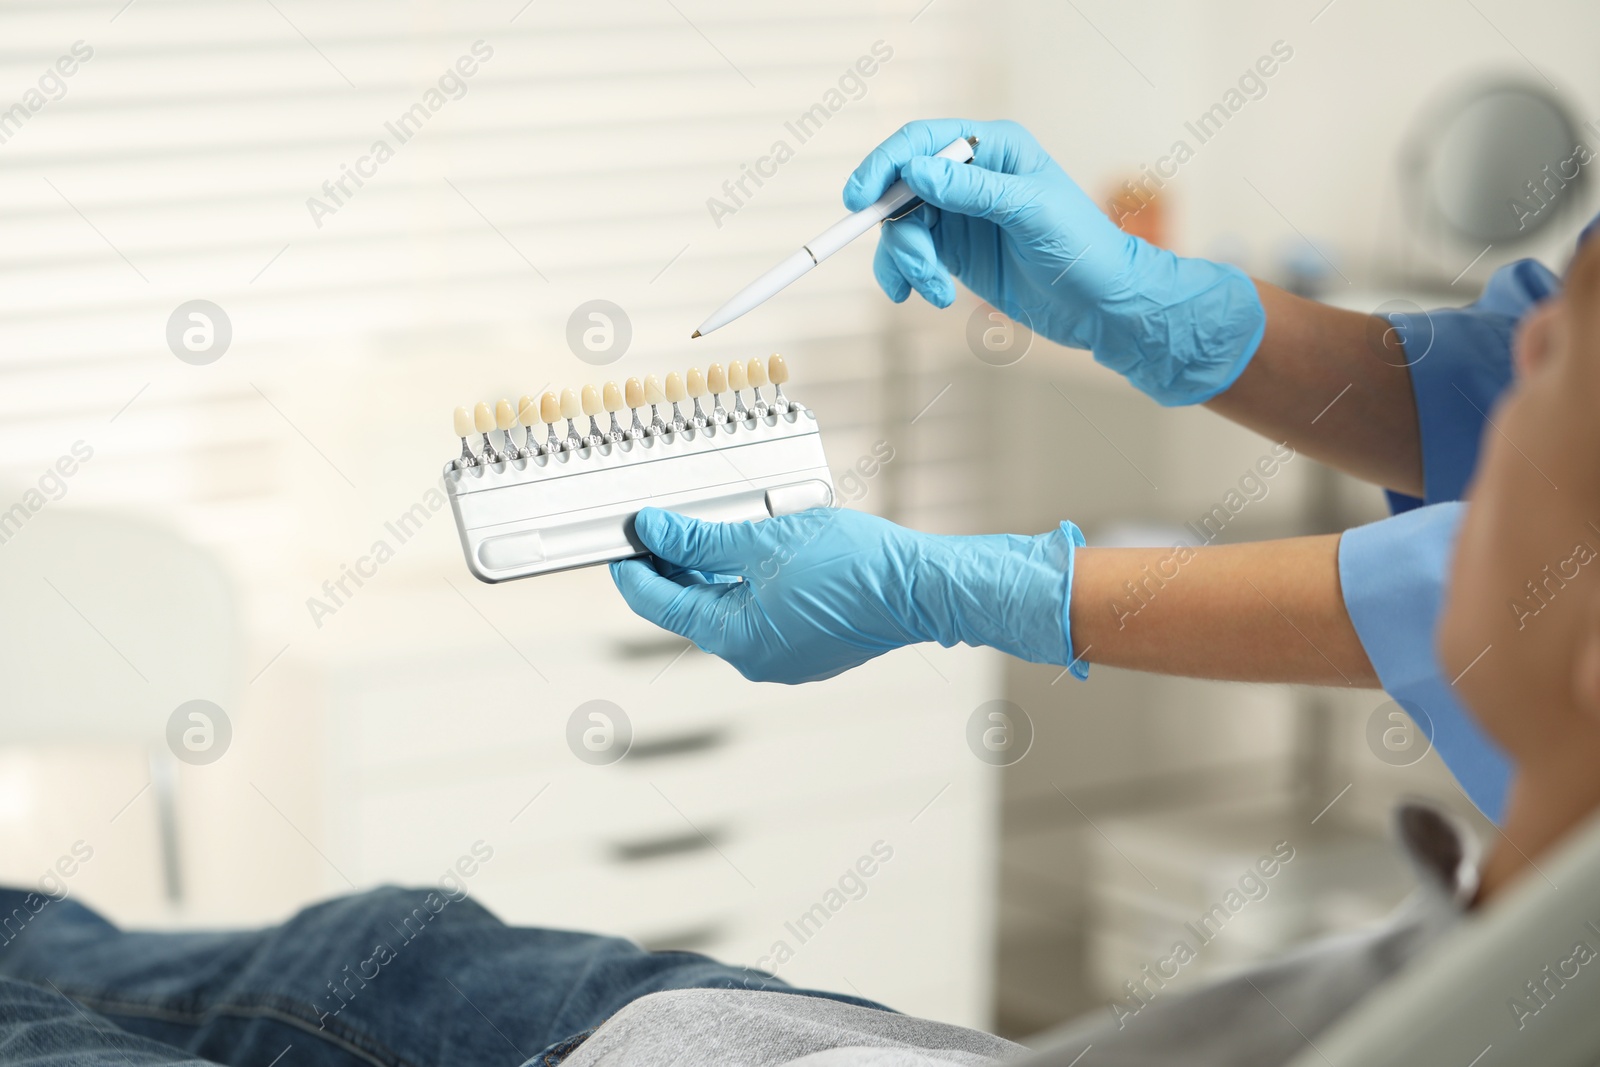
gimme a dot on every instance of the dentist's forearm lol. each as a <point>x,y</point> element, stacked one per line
<point>1333,384</point>
<point>1270,611</point>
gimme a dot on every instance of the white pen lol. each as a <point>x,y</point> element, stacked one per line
<point>896,201</point>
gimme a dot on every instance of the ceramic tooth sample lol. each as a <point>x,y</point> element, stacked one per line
<point>676,394</point>
<point>549,412</point>
<point>717,384</point>
<point>738,381</point>
<point>695,383</point>
<point>633,393</point>
<point>528,414</point>
<point>655,398</point>
<point>778,372</point>
<point>483,422</point>
<point>611,400</point>
<point>463,431</point>
<point>756,371</point>
<point>592,407</point>
<point>505,417</point>
<point>571,410</point>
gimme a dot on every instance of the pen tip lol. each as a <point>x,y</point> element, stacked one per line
<point>692,336</point>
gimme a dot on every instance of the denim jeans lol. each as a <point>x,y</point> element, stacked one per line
<point>397,977</point>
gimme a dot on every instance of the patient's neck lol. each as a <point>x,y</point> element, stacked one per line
<point>1553,791</point>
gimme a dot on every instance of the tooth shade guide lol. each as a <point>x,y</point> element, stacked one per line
<point>737,378</point>
<point>757,372</point>
<point>482,418</point>
<point>566,509</point>
<point>463,421</point>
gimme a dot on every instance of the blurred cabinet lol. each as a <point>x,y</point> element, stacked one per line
<point>840,833</point>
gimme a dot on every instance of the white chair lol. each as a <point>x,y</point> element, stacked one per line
<point>110,623</point>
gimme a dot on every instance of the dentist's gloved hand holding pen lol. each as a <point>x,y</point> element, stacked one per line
<point>1017,231</point>
<point>804,597</point>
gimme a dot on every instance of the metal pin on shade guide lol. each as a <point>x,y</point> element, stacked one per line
<point>571,410</point>
<point>695,383</point>
<point>611,399</point>
<point>528,414</point>
<point>633,393</point>
<point>655,397</point>
<point>549,413</point>
<point>463,428</point>
<point>756,371</point>
<point>716,385</point>
<point>483,422</point>
<point>676,394</point>
<point>738,381</point>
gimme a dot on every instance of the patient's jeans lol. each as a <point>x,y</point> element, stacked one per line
<point>391,977</point>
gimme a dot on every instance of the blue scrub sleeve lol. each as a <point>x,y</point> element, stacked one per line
<point>1460,364</point>
<point>1393,575</point>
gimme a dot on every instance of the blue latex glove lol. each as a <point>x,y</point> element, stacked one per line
<point>826,590</point>
<point>1021,234</point>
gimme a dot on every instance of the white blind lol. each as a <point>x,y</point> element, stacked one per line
<point>575,162</point>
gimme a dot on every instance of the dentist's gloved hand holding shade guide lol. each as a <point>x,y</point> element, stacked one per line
<point>894,202</point>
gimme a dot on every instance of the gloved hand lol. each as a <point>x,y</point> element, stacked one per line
<point>1021,234</point>
<point>827,589</point>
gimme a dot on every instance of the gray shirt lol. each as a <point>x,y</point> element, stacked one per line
<point>1264,1015</point>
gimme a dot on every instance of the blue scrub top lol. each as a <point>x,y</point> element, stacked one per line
<point>1393,572</point>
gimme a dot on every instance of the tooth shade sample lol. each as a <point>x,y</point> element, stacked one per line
<point>696,383</point>
<point>570,408</point>
<point>652,390</point>
<point>612,396</point>
<point>634,390</point>
<point>504,417</point>
<point>591,400</point>
<point>549,408</point>
<point>463,421</point>
<point>483,417</point>
<point>675,390</point>
<point>716,378</point>
<point>736,376</point>
<point>758,372</point>
<point>777,369</point>
<point>527,411</point>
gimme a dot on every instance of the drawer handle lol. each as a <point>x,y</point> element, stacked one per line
<point>678,744</point>
<point>656,848</point>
